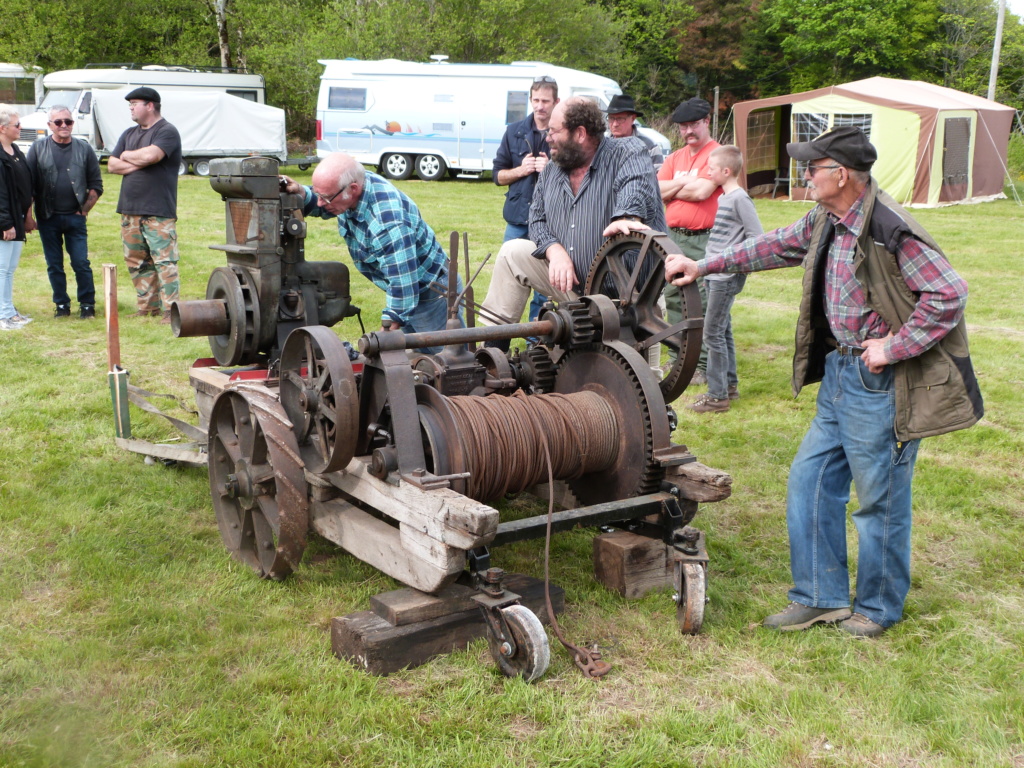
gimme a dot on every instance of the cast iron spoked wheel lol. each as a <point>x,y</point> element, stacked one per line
<point>618,272</point>
<point>430,167</point>
<point>318,392</point>
<point>257,482</point>
<point>532,653</point>
<point>692,597</point>
<point>398,167</point>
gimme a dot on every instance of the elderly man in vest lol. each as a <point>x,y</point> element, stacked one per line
<point>882,327</point>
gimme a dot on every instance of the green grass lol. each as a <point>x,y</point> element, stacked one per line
<point>129,637</point>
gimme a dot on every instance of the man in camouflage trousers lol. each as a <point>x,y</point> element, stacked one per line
<point>148,156</point>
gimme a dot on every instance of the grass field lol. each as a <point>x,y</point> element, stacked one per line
<point>129,637</point>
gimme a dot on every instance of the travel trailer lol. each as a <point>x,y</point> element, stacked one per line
<point>436,118</point>
<point>21,88</point>
<point>74,88</point>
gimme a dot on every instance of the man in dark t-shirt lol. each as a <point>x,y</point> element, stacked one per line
<point>148,156</point>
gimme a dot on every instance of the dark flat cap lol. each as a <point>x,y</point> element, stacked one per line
<point>848,146</point>
<point>691,110</point>
<point>143,94</point>
<point>622,103</point>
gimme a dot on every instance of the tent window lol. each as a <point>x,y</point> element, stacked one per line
<point>806,126</point>
<point>761,150</point>
<point>857,121</point>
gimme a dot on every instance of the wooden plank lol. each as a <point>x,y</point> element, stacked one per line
<point>630,564</point>
<point>371,643</point>
<point>381,545</point>
<point>441,514</point>
<point>699,482</point>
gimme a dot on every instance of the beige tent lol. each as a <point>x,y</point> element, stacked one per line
<point>936,146</point>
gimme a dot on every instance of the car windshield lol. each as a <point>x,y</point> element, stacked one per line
<point>67,97</point>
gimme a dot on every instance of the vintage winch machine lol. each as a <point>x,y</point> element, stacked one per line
<point>397,456</point>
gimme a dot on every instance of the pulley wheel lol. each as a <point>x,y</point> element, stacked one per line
<point>257,482</point>
<point>235,287</point>
<point>532,654</point>
<point>692,585</point>
<point>618,272</point>
<point>319,394</point>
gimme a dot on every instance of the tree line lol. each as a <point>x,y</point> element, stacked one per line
<point>660,51</point>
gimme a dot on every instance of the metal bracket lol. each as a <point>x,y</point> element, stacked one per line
<point>689,546</point>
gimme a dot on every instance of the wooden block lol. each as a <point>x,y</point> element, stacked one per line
<point>407,606</point>
<point>373,644</point>
<point>699,482</point>
<point>630,564</point>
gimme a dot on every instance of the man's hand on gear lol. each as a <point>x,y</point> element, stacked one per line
<point>680,270</point>
<point>624,227</point>
<point>874,354</point>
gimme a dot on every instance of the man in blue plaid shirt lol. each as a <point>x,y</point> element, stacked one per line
<point>388,240</point>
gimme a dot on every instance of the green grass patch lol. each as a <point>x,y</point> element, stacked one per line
<point>129,637</point>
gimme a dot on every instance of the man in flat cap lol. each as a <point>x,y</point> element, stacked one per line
<point>622,115</point>
<point>882,327</point>
<point>148,156</point>
<point>691,202</point>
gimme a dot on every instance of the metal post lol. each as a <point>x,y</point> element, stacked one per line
<point>117,377</point>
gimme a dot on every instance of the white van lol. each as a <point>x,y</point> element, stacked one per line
<point>21,88</point>
<point>74,89</point>
<point>436,118</point>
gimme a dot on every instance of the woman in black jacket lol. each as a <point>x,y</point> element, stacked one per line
<point>15,213</point>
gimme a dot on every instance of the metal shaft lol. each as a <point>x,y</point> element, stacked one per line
<point>374,343</point>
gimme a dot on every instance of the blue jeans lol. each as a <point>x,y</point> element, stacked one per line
<point>10,255</point>
<point>852,438</point>
<point>718,334</point>
<point>67,230</point>
<point>517,232</point>
<point>431,314</point>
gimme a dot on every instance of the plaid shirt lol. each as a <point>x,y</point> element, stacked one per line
<point>941,293</point>
<point>390,244</point>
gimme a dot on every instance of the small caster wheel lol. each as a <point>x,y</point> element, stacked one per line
<point>692,597</point>
<point>532,652</point>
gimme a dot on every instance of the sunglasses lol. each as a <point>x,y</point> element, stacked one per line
<point>61,123</point>
<point>544,79</point>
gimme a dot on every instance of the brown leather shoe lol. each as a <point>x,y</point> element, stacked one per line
<point>146,313</point>
<point>166,319</point>
<point>860,625</point>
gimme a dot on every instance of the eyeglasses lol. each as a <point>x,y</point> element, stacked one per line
<point>14,125</point>
<point>813,169</point>
<point>327,200</point>
<point>61,123</point>
<point>544,79</point>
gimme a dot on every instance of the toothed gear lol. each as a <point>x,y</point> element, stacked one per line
<point>582,325</point>
<point>540,369</point>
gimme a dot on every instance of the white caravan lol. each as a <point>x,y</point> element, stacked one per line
<point>434,118</point>
<point>21,88</point>
<point>74,89</point>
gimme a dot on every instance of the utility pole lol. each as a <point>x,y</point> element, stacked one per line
<point>994,70</point>
<point>714,126</point>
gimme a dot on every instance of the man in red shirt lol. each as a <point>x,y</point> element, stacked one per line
<point>691,200</point>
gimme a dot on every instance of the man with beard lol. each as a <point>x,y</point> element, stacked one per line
<point>882,327</point>
<point>594,187</point>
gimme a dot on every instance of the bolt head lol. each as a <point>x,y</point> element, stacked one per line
<point>506,650</point>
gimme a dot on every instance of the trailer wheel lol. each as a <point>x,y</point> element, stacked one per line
<point>398,167</point>
<point>430,167</point>
<point>303,166</point>
<point>201,167</point>
<point>183,168</point>
<point>532,653</point>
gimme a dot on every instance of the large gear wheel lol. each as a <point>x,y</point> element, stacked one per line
<point>618,373</point>
<point>620,273</point>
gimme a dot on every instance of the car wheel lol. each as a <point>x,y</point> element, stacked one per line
<point>430,167</point>
<point>398,167</point>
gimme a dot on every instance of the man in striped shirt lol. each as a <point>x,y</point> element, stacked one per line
<point>882,328</point>
<point>594,187</point>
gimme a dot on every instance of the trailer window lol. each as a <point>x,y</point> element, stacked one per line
<point>247,95</point>
<point>346,98</point>
<point>85,106</point>
<point>515,106</point>
<point>17,90</point>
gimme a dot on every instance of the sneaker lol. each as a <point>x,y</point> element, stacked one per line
<point>699,378</point>
<point>62,310</point>
<point>860,625</point>
<point>734,392</point>
<point>86,312</point>
<point>799,616</point>
<point>8,324</point>
<point>21,319</point>
<point>708,404</point>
